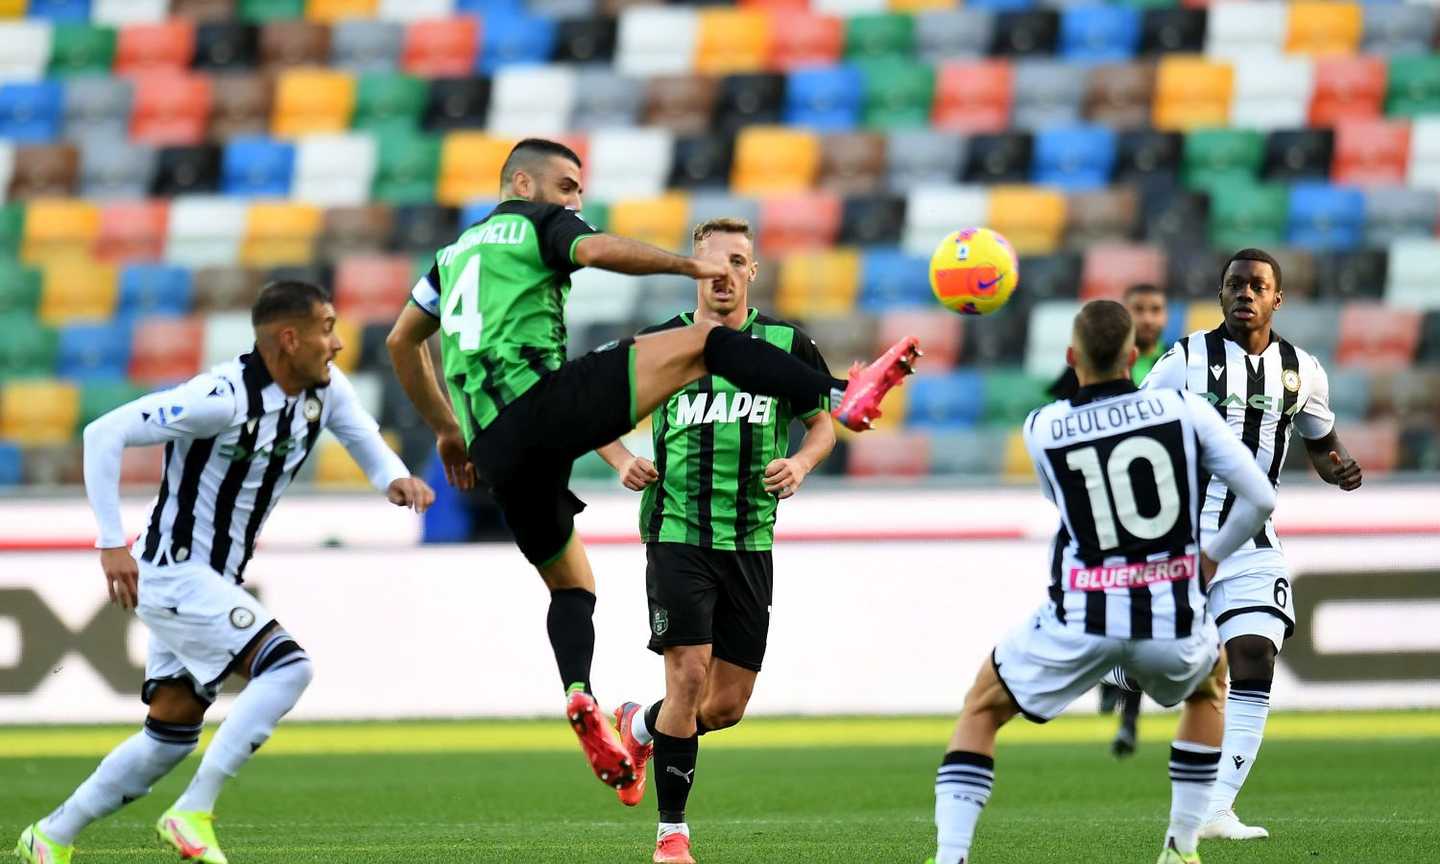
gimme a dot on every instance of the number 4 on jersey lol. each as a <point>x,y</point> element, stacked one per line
<point>461,314</point>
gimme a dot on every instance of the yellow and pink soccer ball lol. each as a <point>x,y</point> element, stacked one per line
<point>974,271</point>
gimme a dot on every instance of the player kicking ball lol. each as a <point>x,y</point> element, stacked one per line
<point>497,298</point>
<point>708,571</point>
<point>1261,385</point>
<point>1127,591</point>
<point>234,438</point>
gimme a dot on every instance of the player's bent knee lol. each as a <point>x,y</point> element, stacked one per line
<point>1251,657</point>
<point>281,654</point>
<point>722,716</point>
<point>175,702</point>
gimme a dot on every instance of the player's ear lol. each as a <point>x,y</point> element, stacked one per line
<point>754,270</point>
<point>1070,356</point>
<point>1134,355</point>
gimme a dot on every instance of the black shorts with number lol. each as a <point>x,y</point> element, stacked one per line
<point>701,596</point>
<point>525,455</point>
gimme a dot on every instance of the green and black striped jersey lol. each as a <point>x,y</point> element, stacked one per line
<point>499,291</point>
<point>712,443</point>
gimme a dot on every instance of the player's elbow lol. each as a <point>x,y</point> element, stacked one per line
<point>591,251</point>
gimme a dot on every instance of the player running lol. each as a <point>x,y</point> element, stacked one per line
<point>234,439</point>
<point>708,522</point>
<point>1261,385</point>
<point>1127,588</point>
<point>497,296</point>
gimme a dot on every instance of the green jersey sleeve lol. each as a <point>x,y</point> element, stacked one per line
<point>805,349</point>
<point>558,229</point>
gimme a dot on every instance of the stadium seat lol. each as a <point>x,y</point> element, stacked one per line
<point>1192,93</point>
<point>732,40</point>
<point>334,170</point>
<point>31,111</point>
<point>933,211</point>
<point>367,47</point>
<point>659,221</point>
<point>350,231</point>
<point>171,109</point>
<point>186,171</point>
<point>1148,154</point>
<point>1347,88</point>
<point>892,455</point>
<point>852,162</point>
<point>456,103</point>
<point>681,103</point>
<point>12,223</point>
<point>257,168</point>
<point>1394,28</point>
<point>1244,213</point>
<point>1203,316</point>
<point>28,350</point>
<point>168,46</point>
<point>205,231</point>
<point>25,49</point>
<point>897,94</point>
<point>1221,156</point>
<point>1299,155</point>
<point>78,290</point>
<point>1120,95</point>
<point>1051,277</point>
<point>242,106</point>
<point>269,10</point>
<point>420,229</point>
<point>1428,353</point>
<point>974,96</point>
<point>413,10</point>
<point>1050,325</point>
<point>924,157</point>
<point>1099,33</point>
<point>1010,395</point>
<point>798,222</point>
<point>585,40</point>
<point>807,39</point>
<point>1371,152</point>
<point>775,160</point>
<point>1413,88</point>
<point>656,40</point>
<point>1031,217</point>
<point>280,233</point>
<point>81,49</point>
<point>59,11</point>
<point>1110,268</point>
<point>372,288</point>
<point>1375,444</point>
<point>59,229</point>
<point>511,37</point>
<point>1324,27</point>
<point>1326,217</point>
<point>226,289</point>
<point>947,400</point>
<point>93,351</point>
<point>824,98</point>
<point>709,204</point>
<point>1029,33</point>
<point>1074,158</point>
<point>1425,153</point>
<point>627,163</point>
<point>407,168</point>
<point>19,290</point>
<point>872,220</point>
<point>1109,213</point>
<point>386,101</point>
<point>290,42</point>
<point>441,48</point>
<point>1413,274</point>
<point>891,279</point>
<point>1272,92</point>
<point>1349,392</point>
<point>1353,275</point>
<point>470,166</point>
<point>1378,338</point>
<point>601,297</point>
<point>44,171</point>
<point>818,283</point>
<point>514,110</point>
<point>39,411</point>
<point>749,100</point>
<point>227,335</point>
<point>338,10</point>
<point>308,101</point>
<point>702,161</point>
<point>1238,29</point>
<point>1395,212</point>
<point>119,12</point>
<point>225,46</point>
<point>101,396</point>
<point>1193,274</point>
<point>1172,31</point>
<point>945,34</point>
<point>1048,94</point>
<point>999,158</point>
<point>132,231</point>
<point>154,289</point>
<point>880,36</point>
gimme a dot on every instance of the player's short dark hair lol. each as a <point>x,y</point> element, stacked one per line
<point>286,298</point>
<point>1144,288</point>
<point>523,157</point>
<point>1102,330</point>
<point>1253,255</point>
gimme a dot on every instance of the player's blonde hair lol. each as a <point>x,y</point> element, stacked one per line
<point>720,225</point>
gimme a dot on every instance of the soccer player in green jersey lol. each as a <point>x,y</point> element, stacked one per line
<point>522,413</point>
<point>708,520</point>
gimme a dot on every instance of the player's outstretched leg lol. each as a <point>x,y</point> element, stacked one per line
<point>1252,668</point>
<point>967,773</point>
<point>1194,761</point>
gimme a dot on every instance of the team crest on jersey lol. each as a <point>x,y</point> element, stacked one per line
<point>1291,380</point>
<point>312,409</point>
<point>659,621</point>
<point>241,618</point>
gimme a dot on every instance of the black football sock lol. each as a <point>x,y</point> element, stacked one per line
<point>652,717</point>
<point>674,774</point>
<point>758,366</point>
<point>572,635</point>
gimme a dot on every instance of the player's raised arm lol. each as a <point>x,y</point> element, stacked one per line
<point>199,408</point>
<point>360,434</point>
<point>623,255</point>
<point>1316,424</point>
<point>1222,454</point>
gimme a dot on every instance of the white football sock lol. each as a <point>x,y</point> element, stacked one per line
<point>123,776</point>
<point>668,828</point>
<point>639,729</point>
<point>962,787</point>
<point>1192,776</point>
<point>1245,711</point>
<point>269,696</point>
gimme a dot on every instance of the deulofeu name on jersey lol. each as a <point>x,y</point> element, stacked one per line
<point>1103,418</point>
<point>1260,402</point>
<point>497,232</point>
<point>694,408</point>
<point>236,453</point>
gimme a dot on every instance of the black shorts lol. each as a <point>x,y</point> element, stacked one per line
<point>525,455</point>
<point>702,596</point>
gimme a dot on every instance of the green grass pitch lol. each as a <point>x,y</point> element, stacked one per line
<point>1347,789</point>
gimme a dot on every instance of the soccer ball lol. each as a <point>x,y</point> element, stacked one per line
<point>974,271</point>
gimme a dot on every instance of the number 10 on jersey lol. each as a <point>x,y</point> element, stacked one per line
<point>460,316</point>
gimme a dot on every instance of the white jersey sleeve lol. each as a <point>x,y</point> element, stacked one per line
<point>426,293</point>
<point>1315,419</point>
<point>1168,371</point>
<point>200,408</point>
<point>1222,454</point>
<point>1037,454</point>
<point>360,434</point>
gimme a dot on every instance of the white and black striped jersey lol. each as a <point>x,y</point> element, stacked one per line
<point>1260,397</point>
<point>233,442</point>
<point>1124,467</point>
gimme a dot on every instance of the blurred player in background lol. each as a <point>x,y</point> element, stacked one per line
<point>497,296</point>
<point>708,522</point>
<point>1127,592</point>
<point>234,439</point>
<point>1261,385</point>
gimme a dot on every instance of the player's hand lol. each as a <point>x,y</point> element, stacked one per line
<point>411,492</point>
<point>638,473</point>
<point>700,269</point>
<point>1345,473</point>
<point>122,576</point>
<point>459,471</point>
<point>784,476</point>
<point>1208,567</point>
